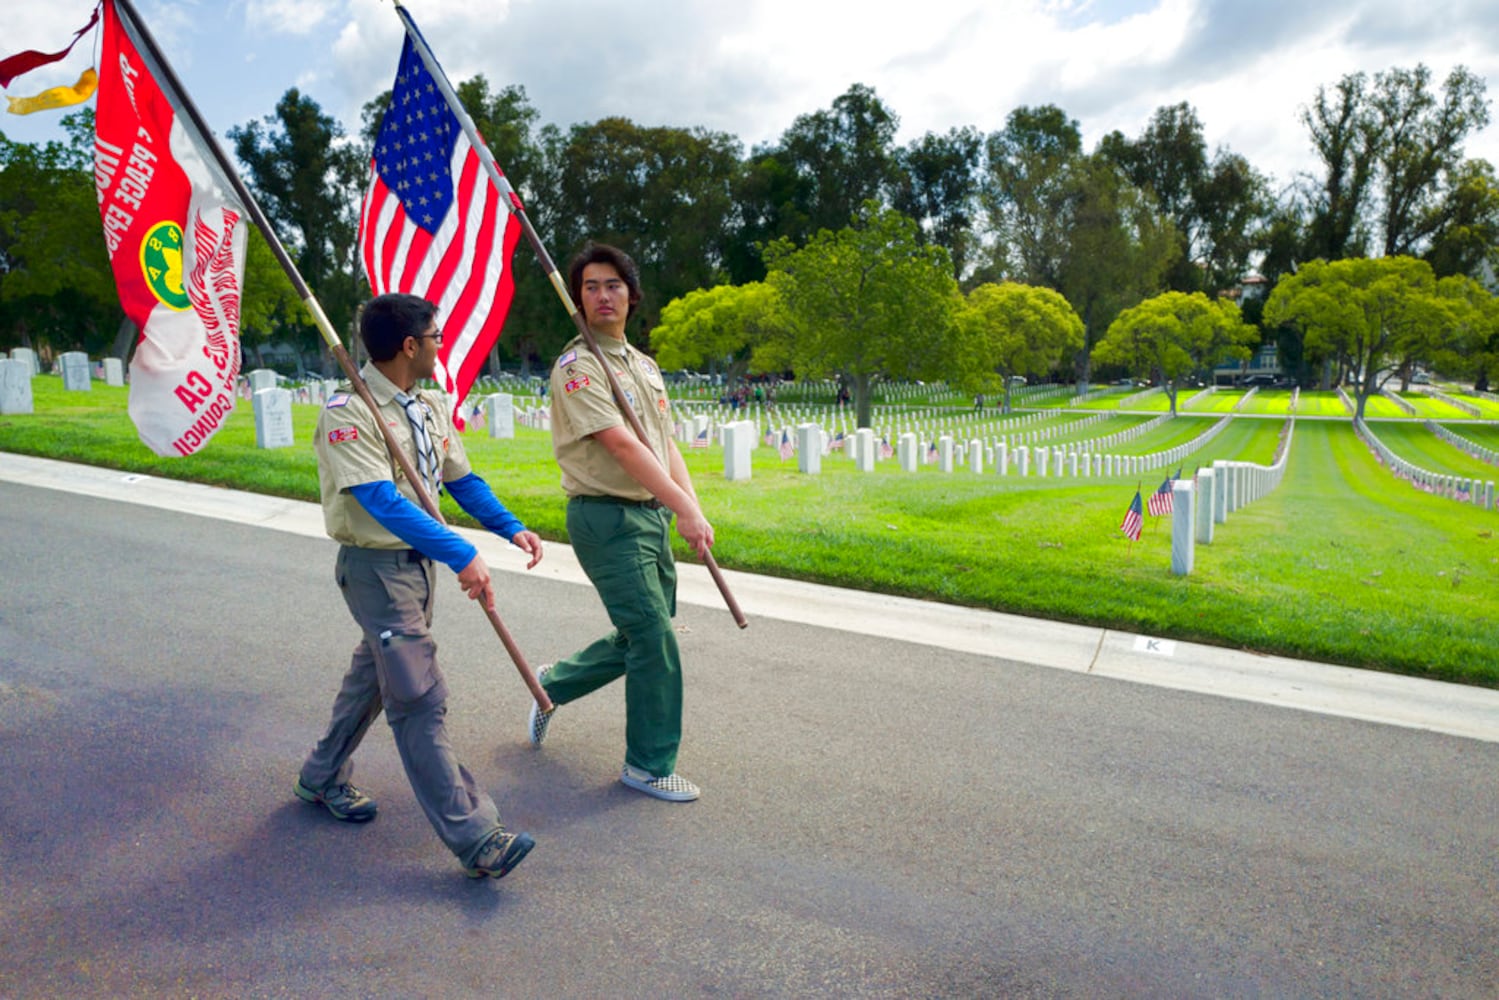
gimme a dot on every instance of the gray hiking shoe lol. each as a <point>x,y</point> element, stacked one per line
<point>500,853</point>
<point>343,802</point>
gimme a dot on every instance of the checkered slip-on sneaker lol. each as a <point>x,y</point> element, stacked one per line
<point>500,853</point>
<point>536,727</point>
<point>672,788</point>
<point>343,802</point>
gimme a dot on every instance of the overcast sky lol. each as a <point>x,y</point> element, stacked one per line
<point>750,67</point>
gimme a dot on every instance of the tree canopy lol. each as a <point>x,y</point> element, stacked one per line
<point>868,301</point>
<point>1010,329</point>
<point>1175,335</point>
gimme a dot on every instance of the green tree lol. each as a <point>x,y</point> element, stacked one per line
<point>310,184</point>
<point>1217,205</point>
<point>664,195</point>
<point>1420,148</point>
<point>731,325</point>
<point>270,309</point>
<point>1174,335</point>
<point>1392,156</point>
<point>1027,193</point>
<point>825,166</point>
<point>1071,222</point>
<point>936,183</point>
<point>1010,329</point>
<point>56,287</point>
<point>1376,314</point>
<point>1474,351</point>
<point>1467,241</point>
<point>868,301</point>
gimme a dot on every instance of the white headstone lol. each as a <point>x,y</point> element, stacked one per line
<point>261,378</point>
<point>1183,550</point>
<point>1206,501</point>
<point>1022,461</point>
<point>15,386</point>
<point>944,453</point>
<point>114,371</point>
<point>738,443</point>
<point>865,447</point>
<point>76,376</point>
<point>499,413</point>
<point>1002,458</point>
<point>27,355</point>
<point>976,456</point>
<point>809,449</point>
<point>273,418</point>
<point>908,450</point>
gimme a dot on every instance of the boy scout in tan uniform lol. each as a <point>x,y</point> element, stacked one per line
<point>386,571</point>
<point>621,496</point>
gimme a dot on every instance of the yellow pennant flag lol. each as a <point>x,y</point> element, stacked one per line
<point>57,97</point>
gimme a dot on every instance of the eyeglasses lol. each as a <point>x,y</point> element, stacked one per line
<point>428,336</point>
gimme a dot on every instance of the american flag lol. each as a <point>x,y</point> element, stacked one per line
<point>787,449</point>
<point>885,450</point>
<point>1160,501</point>
<point>837,443</point>
<point>701,441</point>
<point>434,225</point>
<point>1133,519</point>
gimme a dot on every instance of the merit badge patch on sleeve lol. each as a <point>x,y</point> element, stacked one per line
<point>581,382</point>
<point>339,435</point>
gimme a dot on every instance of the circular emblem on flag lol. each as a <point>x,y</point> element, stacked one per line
<point>161,264</point>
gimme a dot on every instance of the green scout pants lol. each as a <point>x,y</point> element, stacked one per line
<point>626,551</point>
<point>394,668</point>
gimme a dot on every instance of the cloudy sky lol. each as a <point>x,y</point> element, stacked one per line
<point>750,67</point>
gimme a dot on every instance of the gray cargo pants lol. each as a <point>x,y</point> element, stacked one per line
<point>394,667</point>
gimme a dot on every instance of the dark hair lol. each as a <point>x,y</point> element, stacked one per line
<point>603,253</point>
<point>387,320</point>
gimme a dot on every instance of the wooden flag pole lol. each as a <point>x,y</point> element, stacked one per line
<point>502,184</point>
<point>134,24</point>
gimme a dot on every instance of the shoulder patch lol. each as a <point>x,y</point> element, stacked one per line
<point>567,359</point>
<point>337,399</point>
<point>581,382</point>
<point>339,435</point>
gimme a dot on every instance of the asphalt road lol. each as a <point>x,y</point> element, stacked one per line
<point>879,818</point>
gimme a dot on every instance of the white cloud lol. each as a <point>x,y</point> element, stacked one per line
<point>751,68</point>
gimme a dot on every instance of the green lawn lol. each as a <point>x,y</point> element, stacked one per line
<point>1342,564</point>
<point>1423,449</point>
<point>1315,403</point>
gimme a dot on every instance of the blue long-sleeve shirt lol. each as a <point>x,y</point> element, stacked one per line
<point>431,538</point>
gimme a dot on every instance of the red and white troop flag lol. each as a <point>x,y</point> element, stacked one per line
<point>1134,518</point>
<point>433,224</point>
<point>176,240</point>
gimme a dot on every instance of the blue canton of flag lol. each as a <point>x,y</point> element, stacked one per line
<point>433,224</point>
<point>415,145</point>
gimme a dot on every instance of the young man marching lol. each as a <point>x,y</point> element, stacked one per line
<point>621,497</point>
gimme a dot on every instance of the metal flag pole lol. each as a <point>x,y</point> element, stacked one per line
<point>137,27</point>
<point>502,184</point>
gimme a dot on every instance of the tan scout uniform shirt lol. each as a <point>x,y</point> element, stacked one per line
<point>351,450</point>
<point>582,405</point>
